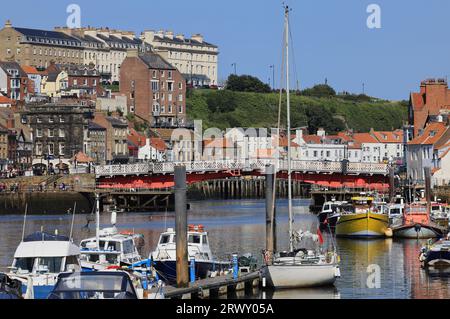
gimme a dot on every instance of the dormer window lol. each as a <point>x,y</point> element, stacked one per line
<point>432,133</point>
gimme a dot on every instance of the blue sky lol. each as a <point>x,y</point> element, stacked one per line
<point>330,37</point>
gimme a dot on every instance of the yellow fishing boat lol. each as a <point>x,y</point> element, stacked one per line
<point>364,221</point>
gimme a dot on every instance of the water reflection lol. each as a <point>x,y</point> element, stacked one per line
<point>239,226</point>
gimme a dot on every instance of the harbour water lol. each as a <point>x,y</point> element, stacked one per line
<point>382,268</point>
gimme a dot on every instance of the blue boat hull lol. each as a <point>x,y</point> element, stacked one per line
<point>40,292</point>
<point>167,269</point>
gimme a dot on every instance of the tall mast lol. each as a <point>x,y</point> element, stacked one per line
<point>286,17</point>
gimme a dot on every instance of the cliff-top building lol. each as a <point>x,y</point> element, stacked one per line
<point>195,58</point>
<point>38,47</point>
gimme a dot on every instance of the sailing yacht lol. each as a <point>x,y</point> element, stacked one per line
<point>298,268</point>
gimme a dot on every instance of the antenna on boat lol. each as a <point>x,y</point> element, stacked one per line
<point>73,220</point>
<point>24,221</point>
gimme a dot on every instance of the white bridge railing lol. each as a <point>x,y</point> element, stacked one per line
<point>249,165</point>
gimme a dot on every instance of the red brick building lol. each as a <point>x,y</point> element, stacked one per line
<point>155,90</point>
<point>433,98</point>
<point>14,82</point>
<point>82,80</point>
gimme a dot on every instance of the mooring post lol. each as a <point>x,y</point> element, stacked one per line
<point>391,183</point>
<point>269,209</point>
<point>427,171</point>
<point>235,267</point>
<point>192,269</point>
<point>181,226</point>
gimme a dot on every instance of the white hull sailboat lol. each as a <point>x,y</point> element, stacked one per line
<point>290,275</point>
<point>298,268</point>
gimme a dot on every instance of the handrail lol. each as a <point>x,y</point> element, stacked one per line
<point>259,164</point>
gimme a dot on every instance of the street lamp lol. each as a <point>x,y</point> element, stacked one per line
<point>273,75</point>
<point>234,64</point>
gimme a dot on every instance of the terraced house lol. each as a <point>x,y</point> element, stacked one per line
<point>38,48</point>
<point>195,58</point>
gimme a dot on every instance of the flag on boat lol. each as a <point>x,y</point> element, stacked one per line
<point>319,233</point>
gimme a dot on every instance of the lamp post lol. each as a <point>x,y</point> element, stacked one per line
<point>234,64</point>
<point>273,76</point>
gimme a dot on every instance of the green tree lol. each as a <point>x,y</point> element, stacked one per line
<point>320,90</point>
<point>246,83</point>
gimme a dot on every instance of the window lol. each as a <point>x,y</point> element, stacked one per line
<point>61,119</point>
<point>39,132</point>
<point>180,109</point>
<point>51,148</point>
<point>180,98</point>
<point>170,86</point>
<point>169,74</point>
<point>62,147</point>
<point>61,133</point>
<point>50,133</point>
<point>38,149</point>
<point>50,119</point>
<point>154,74</point>
<point>155,86</point>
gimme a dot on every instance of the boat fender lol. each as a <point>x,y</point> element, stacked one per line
<point>422,257</point>
<point>388,232</point>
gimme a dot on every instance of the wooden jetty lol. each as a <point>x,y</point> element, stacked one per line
<point>211,287</point>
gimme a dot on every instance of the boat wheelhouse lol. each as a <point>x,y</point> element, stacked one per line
<point>112,248</point>
<point>38,260</point>
<point>366,219</point>
<point>417,223</point>
<point>164,256</point>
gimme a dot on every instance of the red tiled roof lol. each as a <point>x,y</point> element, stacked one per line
<point>312,139</point>
<point>80,157</point>
<point>389,136</point>
<point>30,69</point>
<point>136,138</point>
<point>158,143</point>
<point>5,100</point>
<point>364,138</point>
<point>432,134</point>
<point>283,142</point>
<point>218,143</point>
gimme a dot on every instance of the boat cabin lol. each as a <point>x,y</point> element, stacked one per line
<point>113,248</point>
<point>43,253</point>
<point>198,244</point>
<point>416,213</point>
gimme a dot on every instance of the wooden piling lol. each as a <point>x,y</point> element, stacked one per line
<point>181,227</point>
<point>269,208</point>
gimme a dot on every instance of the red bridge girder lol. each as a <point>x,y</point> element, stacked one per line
<point>374,182</point>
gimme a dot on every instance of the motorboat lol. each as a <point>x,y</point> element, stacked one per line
<point>303,267</point>
<point>110,248</point>
<point>436,254</point>
<point>330,212</point>
<point>395,211</point>
<point>38,260</point>
<point>417,223</point>
<point>439,214</point>
<point>10,288</point>
<point>163,258</point>
<point>94,285</point>
<point>366,219</point>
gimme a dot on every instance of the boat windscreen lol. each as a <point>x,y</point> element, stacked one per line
<point>94,283</point>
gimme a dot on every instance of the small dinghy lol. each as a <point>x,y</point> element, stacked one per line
<point>436,254</point>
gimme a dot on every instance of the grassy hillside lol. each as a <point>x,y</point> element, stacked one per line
<point>225,109</point>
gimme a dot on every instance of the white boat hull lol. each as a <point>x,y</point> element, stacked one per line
<point>410,232</point>
<point>300,276</point>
